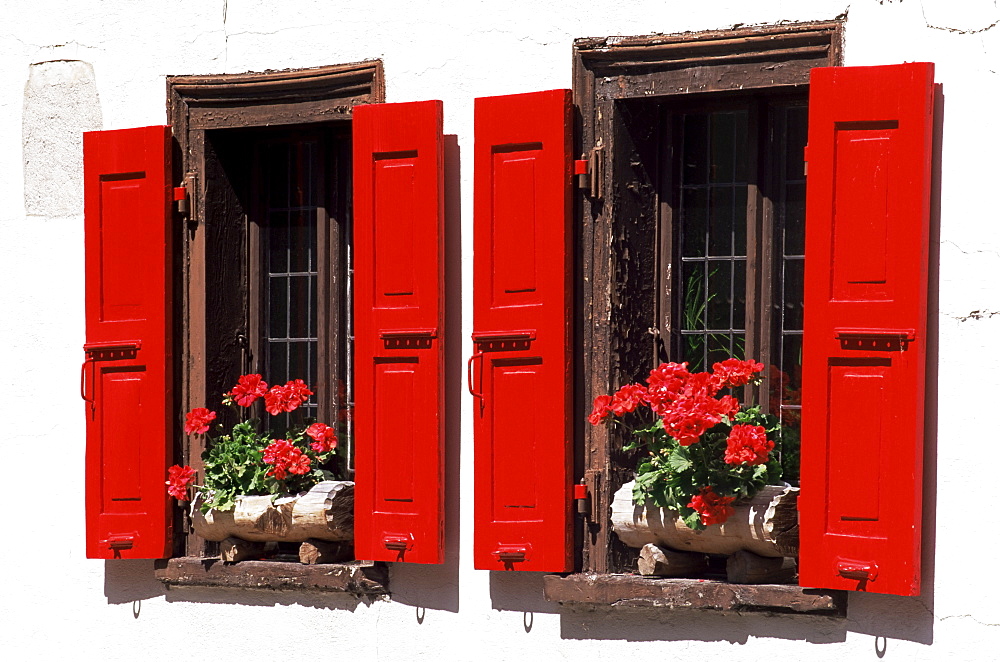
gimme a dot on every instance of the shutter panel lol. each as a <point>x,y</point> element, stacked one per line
<point>399,331</point>
<point>523,312</point>
<point>127,377</point>
<point>867,211</point>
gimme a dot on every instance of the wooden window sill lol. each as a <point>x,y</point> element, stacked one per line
<point>637,591</point>
<point>357,578</point>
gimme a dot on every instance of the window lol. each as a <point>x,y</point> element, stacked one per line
<point>665,123</point>
<point>267,159</point>
<point>295,182</point>
<point>697,141</point>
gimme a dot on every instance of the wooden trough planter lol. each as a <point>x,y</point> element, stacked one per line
<point>760,540</point>
<point>322,519</point>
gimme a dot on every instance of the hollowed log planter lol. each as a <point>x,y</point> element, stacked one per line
<point>325,512</point>
<point>766,525</point>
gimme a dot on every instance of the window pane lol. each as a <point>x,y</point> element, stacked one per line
<point>695,170</point>
<point>277,307</point>
<point>792,304</point>
<point>739,294</point>
<point>275,236</point>
<point>302,241</point>
<point>694,215</point>
<point>794,217</point>
<point>720,229</point>
<point>693,277</point>
<point>723,136</point>
<point>720,301</point>
<point>740,223</point>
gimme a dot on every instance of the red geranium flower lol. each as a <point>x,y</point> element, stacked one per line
<point>248,389</point>
<point>325,438</point>
<point>748,444</point>
<point>601,410</point>
<point>627,399</point>
<point>285,458</point>
<point>180,478</point>
<point>712,508</point>
<point>198,420</point>
<point>286,398</point>
<point>733,372</point>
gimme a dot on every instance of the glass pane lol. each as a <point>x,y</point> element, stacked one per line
<point>276,240</point>
<point>739,294</point>
<point>723,148</point>
<point>695,170</point>
<point>277,362</point>
<point>299,359</point>
<point>302,241</point>
<point>740,145</point>
<point>740,222</point>
<point>277,307</point>
<point>694,215</point>
<point>720,348</point>
<point>794,219</point>
<point>720,229</point>
<point>298,306</point>
<point>791,368</point>
<point>720,297</point>
<point>693,277</point>
<point>793,287</point>
<point>694,352</point>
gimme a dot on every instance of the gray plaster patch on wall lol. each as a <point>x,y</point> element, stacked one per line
<point>60,103</point>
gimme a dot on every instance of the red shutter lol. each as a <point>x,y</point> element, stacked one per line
<point>867,211</point>
<point>399,331</point>
<point>127,377</point>
<point>523,313</point>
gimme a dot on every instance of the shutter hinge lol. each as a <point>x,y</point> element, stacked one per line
<point>805,160</point>
<point>589,173</point>
<point>183,195</point>
<point>584,492</point>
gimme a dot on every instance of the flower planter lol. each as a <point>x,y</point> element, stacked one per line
<point>766,525</point>
<point>325,512</point>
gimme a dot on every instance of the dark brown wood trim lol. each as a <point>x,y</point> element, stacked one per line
<point>629,591</point>
<point>607,72</point>
<point>362,579</point>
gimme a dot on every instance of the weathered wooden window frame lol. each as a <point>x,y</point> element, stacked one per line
<point>196,105</point>
<point>616,292</point>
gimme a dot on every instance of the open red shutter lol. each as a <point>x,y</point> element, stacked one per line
<point>399,331</point>
<point>521,371</point>
<point>867,219</point>
<point>127,378</point>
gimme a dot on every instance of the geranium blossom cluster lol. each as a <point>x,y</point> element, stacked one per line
<point>712,508</point>
<point>748,444</point>
<point>689,405</point>
<point>304,457</point>
<point>179,479</point>
<point>285,458</point>
<point>198,420</point>
<point>685,401</point>
<point>324,437</point>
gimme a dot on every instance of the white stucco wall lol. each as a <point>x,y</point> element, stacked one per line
<point>68,66</point>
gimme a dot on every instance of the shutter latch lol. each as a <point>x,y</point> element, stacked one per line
<point>864,571</point>
<point>589,172</point>
<point>120,541</point>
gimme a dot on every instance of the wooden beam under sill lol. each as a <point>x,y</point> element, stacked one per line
<point>627,591</point>
<point>357,578</point>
